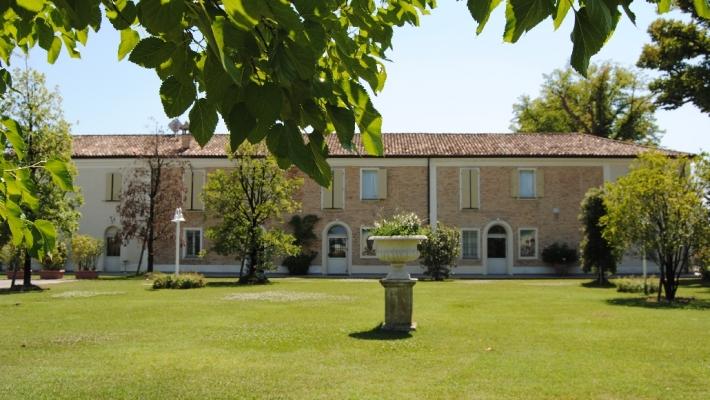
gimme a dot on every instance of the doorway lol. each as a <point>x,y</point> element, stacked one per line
<point>497,250</point>
<point>338,248</point>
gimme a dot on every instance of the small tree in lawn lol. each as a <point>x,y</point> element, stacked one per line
<point>597,254</point>
<point>658,207</point>
<point>440,251</point>
<point>244,199</point>
<point>153,191</point>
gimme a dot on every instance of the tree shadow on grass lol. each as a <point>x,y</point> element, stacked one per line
<point>235,284</point>
<point>597,285</point>
<point>650,302</point>
<point>378,334</point>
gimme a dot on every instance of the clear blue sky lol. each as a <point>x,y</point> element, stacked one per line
<point>442,78</point>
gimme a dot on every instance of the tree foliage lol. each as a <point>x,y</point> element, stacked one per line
<point>680,51</point>
<point>85,252</point>
<point>36,113</point>
<point>248,200</point>
<point>597,254</point>
<point>154,190</point>
<point>273,68</point>
<point>658,207</point>
<point>612,102</point>
<point>305,238</point>
<point>440,251</point>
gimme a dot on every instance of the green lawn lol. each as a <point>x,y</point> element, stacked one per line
<point>314,338</point>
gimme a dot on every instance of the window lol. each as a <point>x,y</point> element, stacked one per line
<point>527,243</point>
<point>469,185</point>
<point>113,186</point>
<point>113,242</point>
<point>194,183</point>
<point>469,244</point>
<point>334,197</point>
<point>526,182</point>
<point>367,245</point>
<point>193,242</point>
<point>373,183</point>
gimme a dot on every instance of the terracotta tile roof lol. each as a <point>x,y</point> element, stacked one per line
<point>396,145</point>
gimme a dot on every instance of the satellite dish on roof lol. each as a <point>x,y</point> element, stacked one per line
<point>175,125</point>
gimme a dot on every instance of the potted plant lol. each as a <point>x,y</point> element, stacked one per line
<point>85,252</point>
<point>397,240</point>
<point>560,256</point>
<point>12,260</point>
<point>305,237</point>
<point>53,263</point>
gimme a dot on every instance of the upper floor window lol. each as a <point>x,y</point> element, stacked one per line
<point>193,242</point>
<point>470,244</point>
<point>469,188</point>
<point>194,183</point>
<point>373,183</point>
<point>113,186</point>
<point>334,196</point>
<point>527,183</point>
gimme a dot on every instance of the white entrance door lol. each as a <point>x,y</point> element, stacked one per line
<point>497,261</point>
<point>338,248</point>
<point>112,250</point>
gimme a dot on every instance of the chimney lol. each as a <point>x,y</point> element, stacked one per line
<point>185,140</point>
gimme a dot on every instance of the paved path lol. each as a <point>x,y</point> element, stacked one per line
<point>5,283</point>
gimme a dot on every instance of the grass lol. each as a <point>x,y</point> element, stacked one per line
<point>317,339</point>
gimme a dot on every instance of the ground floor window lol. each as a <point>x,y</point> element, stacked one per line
<point>527,243</point>
<point>469,243</point>
<point>367,245</point>
<point>113,242</point>
<point>193,242</point>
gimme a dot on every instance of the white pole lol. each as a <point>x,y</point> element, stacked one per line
<point>177,247</point>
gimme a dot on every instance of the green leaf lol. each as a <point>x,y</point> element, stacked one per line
<point>15,221</point>
<point>123,16</point>
<point>176,96</point>
<point>523,15</point>
<point>240,123</point>
<point>14,136</point>
<point>562,9</point>
<point>664,6</point>
<point>225,36</point>
<point>48,236</point>
<point>245,14</point>
<point>129,40</point>
<point>702,7</point>
<point>31,5</point>
<point>344,122</point>
<point>481,10</point>
<point>161,16</point>
<point>60,174</point>
<point>588,36</point>
<point>203,121</point>
<point>54,49</point>
<point>264,102</point>
<point>151,52</point>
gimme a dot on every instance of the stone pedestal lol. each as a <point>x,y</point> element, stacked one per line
<point>398,304</point>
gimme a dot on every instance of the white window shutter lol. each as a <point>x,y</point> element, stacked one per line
<point>198,183</point>
<point>187,181</point>
<point>117,186</point>
<point>474,188</point>
<point>338,187</point>
<point>382,183</point>
<point>539,183</point>
<point>465,187</point>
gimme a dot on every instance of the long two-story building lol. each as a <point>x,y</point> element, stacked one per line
<point>511,195</point>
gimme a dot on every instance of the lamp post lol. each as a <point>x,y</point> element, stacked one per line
<point>177,219</point>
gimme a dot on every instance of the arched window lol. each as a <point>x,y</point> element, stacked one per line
<point>337,230</point>
<point>496,230</point>
<point>113,242</point>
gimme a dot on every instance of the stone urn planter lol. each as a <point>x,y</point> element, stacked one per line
<point>20,274</point>
<point>86,274</point>
<point>51,274</point>
<point>399,286</point>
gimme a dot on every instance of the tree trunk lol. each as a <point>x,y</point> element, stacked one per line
<point>140,259</point>
<point>27,279</point>
<point>14,277</point>
<point>149,267</point>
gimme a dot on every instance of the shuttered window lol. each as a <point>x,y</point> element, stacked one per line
<point>373,183</point>
<point>527,183</point>
<point>113,186</point>
<point>334,196</point>
<point>469,188</point>
<point>194,181</point>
